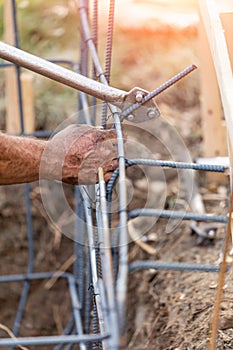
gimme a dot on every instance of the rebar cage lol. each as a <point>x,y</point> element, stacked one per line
<point>98,284</point>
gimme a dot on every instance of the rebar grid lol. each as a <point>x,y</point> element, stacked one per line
<point>98,284</point>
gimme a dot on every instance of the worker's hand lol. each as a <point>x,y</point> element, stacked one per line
<point>75,154</point>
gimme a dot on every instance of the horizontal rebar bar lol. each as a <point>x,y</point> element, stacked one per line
<point>163,265</point>
<point>52,340</point>
<point>177,165</point>
<point>157,91</point>
<point>170,214</point>
<point>29,276</point>
<point>163,163</point>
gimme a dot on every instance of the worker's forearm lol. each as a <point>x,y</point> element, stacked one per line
<point>19,159</point>
<point>73,156</point>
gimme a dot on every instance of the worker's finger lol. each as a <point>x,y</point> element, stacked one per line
<point>110,166</point>
<point>107,176</point>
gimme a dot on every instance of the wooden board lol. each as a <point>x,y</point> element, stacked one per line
<point>213,125</point>
<point>28,97</point>
<point>13,125</point>
<point>222,64</point>
<point>209,12</point>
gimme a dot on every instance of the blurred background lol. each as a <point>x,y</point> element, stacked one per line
<point>153,40</point>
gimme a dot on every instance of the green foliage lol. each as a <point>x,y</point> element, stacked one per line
<point>54,103</point>
<point>47,28</point>
<point>141,57</point>
<point>1,19</point>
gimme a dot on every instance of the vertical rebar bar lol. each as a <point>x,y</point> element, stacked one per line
<point>16,44</point>
<point>93,260</point>
<point>122,278</point>
<point>106,260</point>
<point>108,56</point>
<point>67,330</point>
<point>88,298</point>
<point>26,284</point>
<point>79,239</point>
<point>95,18</point>
<point>77,308</point>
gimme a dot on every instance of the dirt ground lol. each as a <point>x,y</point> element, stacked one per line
<point>165,309</point>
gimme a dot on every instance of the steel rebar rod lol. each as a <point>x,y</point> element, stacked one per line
<point>163,163</point>
<point>122,277</point>
<point>129,98</point>
<point>102,223</point>
<point>52,340</point>
<point>79,241</point>
<point>19,87</point>
<point>158,91</point>
<point>67,330</point>
<point>108,58</point>
<point>88,307</point>
<point>159,163</point>
<point>76,308</point>
<point>60,61</point>
<point>30,262</point>
<point>93,49</point>
<point>177,165</point>
<point>170,214</point>
<point>105,247</point>
<point>169,265</point>
<point>95,40</point>
<point>108,55</point>
<point>61,74</point>
<point>92,251</point>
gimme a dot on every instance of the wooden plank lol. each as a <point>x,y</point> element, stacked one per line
<point>213,129</point>
<point>27,79</point>
<point>219,51</point>
<point>222,63</point>
<point>227,20</point>
<point>224,5</point>
<point>218,46</point>
<point>11,90</point>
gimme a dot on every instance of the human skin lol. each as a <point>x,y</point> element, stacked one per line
<point>73,156</point>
